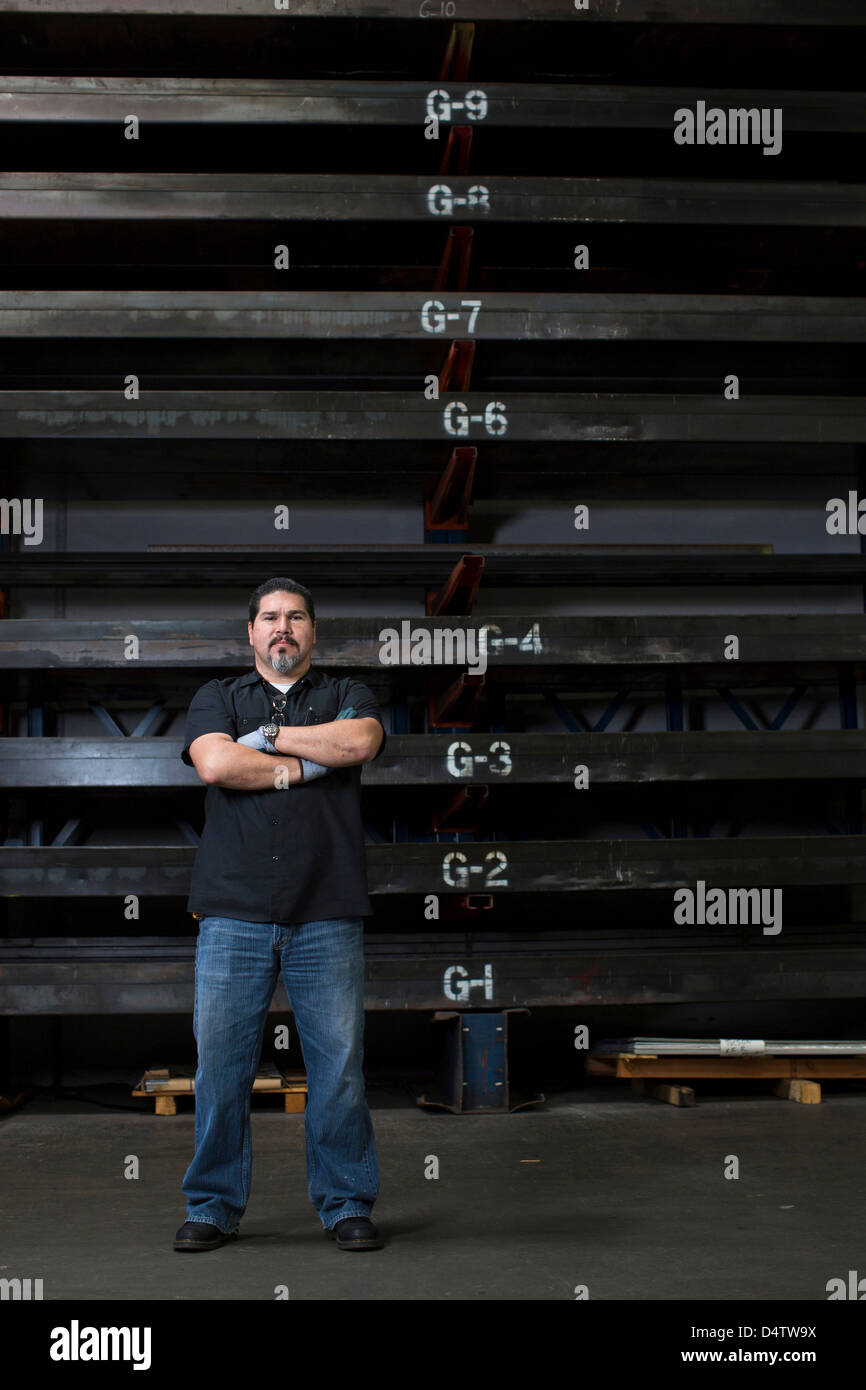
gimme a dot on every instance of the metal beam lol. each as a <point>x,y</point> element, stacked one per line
<point>200,101</point>
<point>337,314</point>
<point>745,12</point>
<point>394,981</point>
<point>457,417</point>
<point>518,642</point>
<point>596,937</point>
<point>386,470</point>
<point>529,566</point>
<point>472,758</point>
<point>503,868</point>
<point>144,196</point>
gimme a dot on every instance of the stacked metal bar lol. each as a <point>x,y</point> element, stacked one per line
<point>246,280</point>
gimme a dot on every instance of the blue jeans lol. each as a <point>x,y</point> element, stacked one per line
<point>236,968</point>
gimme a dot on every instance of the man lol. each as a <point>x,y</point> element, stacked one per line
<point>280,883</point>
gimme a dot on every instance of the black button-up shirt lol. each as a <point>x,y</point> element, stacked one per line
<point>288,855</point>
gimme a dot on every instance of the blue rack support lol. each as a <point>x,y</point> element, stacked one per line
<point>473,1070</point>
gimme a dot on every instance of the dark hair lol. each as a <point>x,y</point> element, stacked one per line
<point>272,586</point>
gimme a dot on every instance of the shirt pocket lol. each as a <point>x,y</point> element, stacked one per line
<point>319,716</point>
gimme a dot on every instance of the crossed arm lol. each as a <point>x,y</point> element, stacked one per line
<point>221,762</point>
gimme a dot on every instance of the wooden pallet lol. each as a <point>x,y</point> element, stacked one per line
<point>164,1084</point>
<point>793,1078</point>
<point>12,1102</point>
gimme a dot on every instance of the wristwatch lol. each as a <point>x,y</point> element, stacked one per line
<point>270,731</point>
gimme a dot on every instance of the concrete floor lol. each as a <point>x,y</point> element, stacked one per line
<point>626,1196</point>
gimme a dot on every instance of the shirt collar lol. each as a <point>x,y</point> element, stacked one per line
<point>312,676</point>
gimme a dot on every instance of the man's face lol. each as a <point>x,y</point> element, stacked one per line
<point>283,635</point>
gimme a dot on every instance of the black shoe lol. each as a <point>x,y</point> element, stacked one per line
<point>356,1233</point>
<point>200,1235</point>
